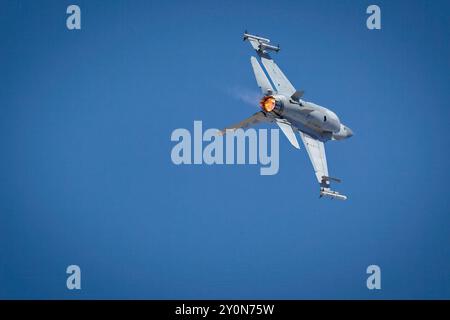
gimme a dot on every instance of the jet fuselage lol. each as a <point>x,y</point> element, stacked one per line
<point>311,118</point>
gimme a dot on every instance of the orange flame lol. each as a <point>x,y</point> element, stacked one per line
<point>267,103</point>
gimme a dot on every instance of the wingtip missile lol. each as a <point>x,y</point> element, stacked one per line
<point>260,43</point>
<point>265,46</point>
<point>326,192</point>
<point>254,37</point>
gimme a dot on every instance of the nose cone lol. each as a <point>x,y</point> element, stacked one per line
<point>349,132</point>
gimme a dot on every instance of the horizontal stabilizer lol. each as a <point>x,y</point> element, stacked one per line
<point>286,127</point>
<point>255,119</point>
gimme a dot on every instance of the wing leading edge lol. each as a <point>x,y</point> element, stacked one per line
<point>316,153</point>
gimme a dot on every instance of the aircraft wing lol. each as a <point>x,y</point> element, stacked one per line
<point>316,152</point>
<point>280,81</point>
<point>261,79</point>
<point>262,47</point>
<point>258,117</point>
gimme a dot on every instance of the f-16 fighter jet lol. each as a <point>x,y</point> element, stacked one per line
<point>283,104</point>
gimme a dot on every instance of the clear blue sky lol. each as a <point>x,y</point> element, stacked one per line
<point>86,176</point>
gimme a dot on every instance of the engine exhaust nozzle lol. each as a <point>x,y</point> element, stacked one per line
<point>268,103</point>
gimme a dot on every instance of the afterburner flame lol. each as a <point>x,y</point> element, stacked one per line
<point>267,103</point>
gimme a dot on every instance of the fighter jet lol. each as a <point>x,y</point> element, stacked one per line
<point>283,104</point>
